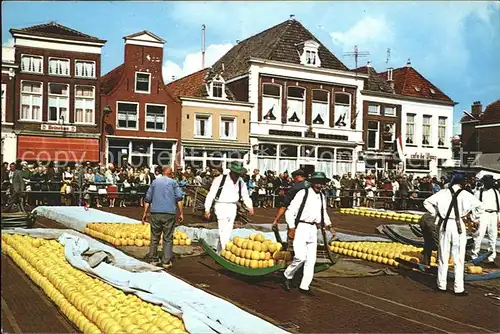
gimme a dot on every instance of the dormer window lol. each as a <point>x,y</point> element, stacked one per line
<point>310,56</point>
<point>217,88</point>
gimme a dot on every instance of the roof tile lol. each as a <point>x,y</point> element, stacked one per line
<point>53,29</point>
<point>491,114</point>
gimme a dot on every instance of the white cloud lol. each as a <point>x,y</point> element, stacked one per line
<point>367,31</point>
<point>192,61</point>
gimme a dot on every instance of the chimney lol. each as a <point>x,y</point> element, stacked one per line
<point>476,108</point>
<point>202,46</point>
<point>390,79</point>
<point>408,62</point>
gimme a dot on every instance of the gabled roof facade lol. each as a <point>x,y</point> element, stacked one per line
<point>53,29</point>
<point>111,79</point>
<point>150,36</point>
<point>195,85</point>
<point>283,42</point>
<point>409,82</point>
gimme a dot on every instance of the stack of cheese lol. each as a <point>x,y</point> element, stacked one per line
<point>129,234</point>
<point>255,252</point>
<point>92,305</point>
<point>406,217</point>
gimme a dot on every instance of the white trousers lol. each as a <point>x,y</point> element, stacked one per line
<point>487,224</point>
<point>451,242</point>
<point>304,246</point>
<point>226,214</point>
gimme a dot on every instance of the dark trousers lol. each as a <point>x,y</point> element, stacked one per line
<point>431,237</point>
<point>162,223</point>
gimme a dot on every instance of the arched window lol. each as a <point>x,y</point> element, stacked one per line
<point>271,101</point>
<point>343,110</point>
<point>320,107</point>
<point>296,102</point>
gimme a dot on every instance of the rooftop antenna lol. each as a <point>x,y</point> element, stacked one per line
<point>388,56</point>
<point>203,46</point>
<point>356,54</point>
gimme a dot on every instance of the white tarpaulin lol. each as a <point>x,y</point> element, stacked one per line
<point>200,311</point>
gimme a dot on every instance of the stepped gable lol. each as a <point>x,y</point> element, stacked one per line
<point>283,42</point>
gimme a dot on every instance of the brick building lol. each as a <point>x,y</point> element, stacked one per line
<point>480,142</point>
<point>142,126</point>
<point>56,102</point>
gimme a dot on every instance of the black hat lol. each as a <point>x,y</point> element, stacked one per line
<point>298,172</point>
<point>487,177</point>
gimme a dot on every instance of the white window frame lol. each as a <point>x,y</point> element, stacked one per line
<point>235,122</point>
<point>211,87</point>
<point>413,143</point>
<point>58,97</point>
<point>304,105</point>
<point>390,115</point>
<point>430,130</point>
<point>85,61</point>
<point>277,112</point>
<point>377,137</point>
<point>85,98</point>
<point>377,106</point>
<point>34,56</point>
<point>442,126</point>
<point>136,122</point>
<point>149,83</point>
<point>146,116</point>
<point>4,103</point>
<point>209,130</point>
<point>348,124</point>
<point>60,59</point>
<point>31,104</point>
<point>313,116</point>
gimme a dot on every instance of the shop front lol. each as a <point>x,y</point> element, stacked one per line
<point>199,157</point>
<point>141,152</point>
<point>57,149</point>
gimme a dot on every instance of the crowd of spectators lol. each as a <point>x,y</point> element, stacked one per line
<point>99,185</point>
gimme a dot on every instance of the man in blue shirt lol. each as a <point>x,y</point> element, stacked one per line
<point>164,197</point>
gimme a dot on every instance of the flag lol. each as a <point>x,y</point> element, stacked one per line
<point>399,147</point>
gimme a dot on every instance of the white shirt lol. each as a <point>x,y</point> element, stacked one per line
<point>312,209</point>
<point>489,199</point>
<point>335,183</point>
<point>395,186</point>
<point>439,203</point>
<point>229,193</point>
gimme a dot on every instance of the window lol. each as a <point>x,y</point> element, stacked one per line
<point>31,101</point>
<point>295,104</point>
<point>32,64</point>
<point>4,112</point>
<point>342,110</point>
<point>203,126</point>
<point>426,131</point>
<point>373,136</point>
<point>59,66</point>
<point>320,107</point>
<point>228,128</point>
<point>389,136</point>
<point>217,88</point>
<point>390,111</point>
<point>85,69</point>
<point>410,129</point>
<point>155,117</point>
<point>127,115</point>
<point>442,131</point>
<point>58,103</point>
<point>309,56</point>
<point>84,105</point>
<point>373,109</point>
<point>142,82</point>
<point>271,101</point>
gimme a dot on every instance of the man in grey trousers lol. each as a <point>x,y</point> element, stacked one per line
<point>164,197</point>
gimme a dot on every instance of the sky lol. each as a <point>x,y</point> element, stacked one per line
<point>454,44</point>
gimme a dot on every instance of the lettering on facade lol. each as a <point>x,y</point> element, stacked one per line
<point>332,137</point>
<point>285,133</point>
<point>423,156</point>
<point>58,127</point>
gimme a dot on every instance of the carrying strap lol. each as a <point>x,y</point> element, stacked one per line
<point>322,210</point>
<point>496,197</point>
<point>221,186</point>
<point>301,208</point>
<point>453,205</point>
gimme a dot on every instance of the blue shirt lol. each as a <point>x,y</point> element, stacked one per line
<point>163,195</point>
